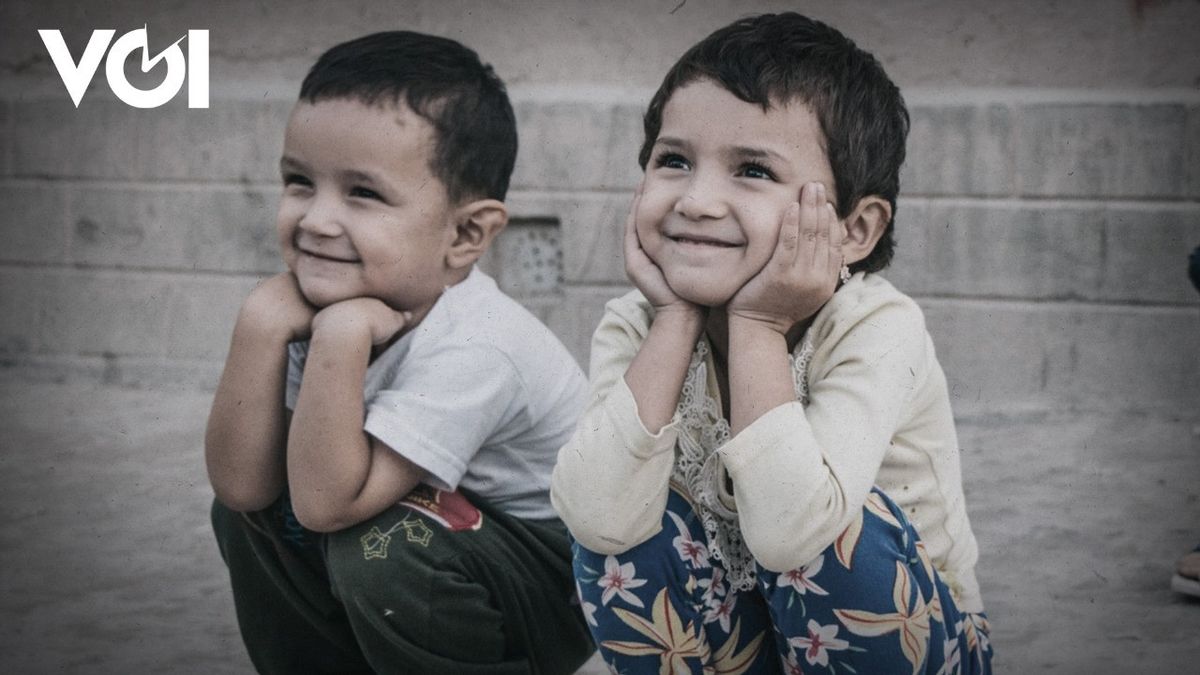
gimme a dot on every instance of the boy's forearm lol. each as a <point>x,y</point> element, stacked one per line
<point>328,451</point>
<point>760,375</point>
<point>338,475</point>
<point>656,374</point>
<point>244,440</point>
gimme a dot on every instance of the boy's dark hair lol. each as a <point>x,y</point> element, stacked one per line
<point>774,59</point>
<point>442,81</point>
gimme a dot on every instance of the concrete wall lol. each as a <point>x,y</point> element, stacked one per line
<point>1050,199</point>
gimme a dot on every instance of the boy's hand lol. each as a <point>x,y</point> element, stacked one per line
<point>802,273</point>
<point>278,304</point>
<point>360,317</point>
<point>644,273</point>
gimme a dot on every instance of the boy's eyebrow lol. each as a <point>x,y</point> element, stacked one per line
<point>350,175</point>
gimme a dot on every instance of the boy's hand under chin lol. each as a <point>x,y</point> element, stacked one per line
<point>802,273</point>
<point>278,306</point>
<point>360,319</point>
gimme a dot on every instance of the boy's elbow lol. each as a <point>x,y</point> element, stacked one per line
<point>244,501</point>
<point>319,517</point>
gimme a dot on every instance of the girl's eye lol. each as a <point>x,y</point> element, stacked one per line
<point>670,160</point>
<point>756,171</point>
<point>365,193</point>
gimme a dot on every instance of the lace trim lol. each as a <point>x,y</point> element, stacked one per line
<point>703,429</point>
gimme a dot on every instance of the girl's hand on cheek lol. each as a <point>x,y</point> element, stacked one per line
<point>644,273</point>
<point>802,273</point>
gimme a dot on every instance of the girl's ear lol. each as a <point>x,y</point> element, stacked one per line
<point>864,226</point>
<point>476,225</point>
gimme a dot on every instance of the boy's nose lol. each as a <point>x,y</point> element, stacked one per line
<point>321,219</point>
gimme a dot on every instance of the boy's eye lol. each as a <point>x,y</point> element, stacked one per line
<point>290,179</point>
<point>670,160</point>
<point>756,171</point>
<point>365,193</point>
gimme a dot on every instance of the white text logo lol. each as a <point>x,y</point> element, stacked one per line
<point>77,76</point>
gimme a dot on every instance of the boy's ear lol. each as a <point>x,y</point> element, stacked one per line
<point>864,226</point>
<point>476,224</point>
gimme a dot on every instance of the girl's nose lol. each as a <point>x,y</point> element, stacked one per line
<point>701,199</point>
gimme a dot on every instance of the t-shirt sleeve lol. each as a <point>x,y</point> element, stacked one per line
<point>440,408</point>
<point>297,353</point>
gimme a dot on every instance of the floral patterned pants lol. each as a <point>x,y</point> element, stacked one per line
<point>871,603</point>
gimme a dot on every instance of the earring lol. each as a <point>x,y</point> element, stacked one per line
<point>844,274</point>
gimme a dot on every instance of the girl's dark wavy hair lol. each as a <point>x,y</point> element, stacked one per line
<point>443,82</point>
<point>774,59</point>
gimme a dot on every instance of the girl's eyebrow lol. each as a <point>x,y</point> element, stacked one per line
<point>749,152</point>
<point>671,141</point>
<point>743,152</point>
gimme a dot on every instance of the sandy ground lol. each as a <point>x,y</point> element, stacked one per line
<point>108,564</point>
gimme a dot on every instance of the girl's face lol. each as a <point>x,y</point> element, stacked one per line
<point>721,174</point>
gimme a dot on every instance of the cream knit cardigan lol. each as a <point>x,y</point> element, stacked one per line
<point>878,414</point>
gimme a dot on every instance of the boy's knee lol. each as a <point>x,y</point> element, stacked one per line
<point>404,584</point>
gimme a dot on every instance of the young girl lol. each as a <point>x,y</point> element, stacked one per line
<point>749,397</point>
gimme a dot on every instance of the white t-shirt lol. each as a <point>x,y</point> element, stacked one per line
<point>481,394</point>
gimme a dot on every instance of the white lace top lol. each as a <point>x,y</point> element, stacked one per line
<point>703,429</point>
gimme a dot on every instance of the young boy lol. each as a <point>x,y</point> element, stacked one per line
<point>382,437</point>
<point>766,478</point>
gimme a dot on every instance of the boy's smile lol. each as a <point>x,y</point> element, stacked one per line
<point>719,179</point>
<point>362,214</point>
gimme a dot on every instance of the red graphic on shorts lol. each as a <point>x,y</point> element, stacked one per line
<point>451,509</point>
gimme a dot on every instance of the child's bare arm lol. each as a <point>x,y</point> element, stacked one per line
<point>338,474</point>
<point>244,442</point>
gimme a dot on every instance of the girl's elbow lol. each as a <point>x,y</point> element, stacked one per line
<point>780,554</point>
<point>794,545</point>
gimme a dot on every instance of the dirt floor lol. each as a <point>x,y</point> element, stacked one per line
<point>108,564</point>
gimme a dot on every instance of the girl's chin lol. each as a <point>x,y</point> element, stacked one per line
<point>700,293</point>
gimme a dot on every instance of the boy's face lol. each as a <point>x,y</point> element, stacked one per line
<point>362,215</point>
<point>721,174</point>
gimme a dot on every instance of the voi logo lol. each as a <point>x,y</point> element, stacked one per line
<point>77,76</point>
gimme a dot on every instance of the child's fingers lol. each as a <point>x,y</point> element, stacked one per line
<point>633,245</point>
<point>812,231</point>
<point>788,245</point>
<point>836,235</point>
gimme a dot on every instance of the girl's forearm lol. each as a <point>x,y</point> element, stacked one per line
<point>656,374</point>
<point>760,375</point>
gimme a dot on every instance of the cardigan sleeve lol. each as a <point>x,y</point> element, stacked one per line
<point>611,479</point>
<point>801,474</point>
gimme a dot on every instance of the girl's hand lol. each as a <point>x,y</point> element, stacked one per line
<point>356,318</point>
<point>644,273</point>
<point>278,306</point>
<point>802,273</point>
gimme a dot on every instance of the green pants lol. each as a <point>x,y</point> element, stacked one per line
<point>440,583</point>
